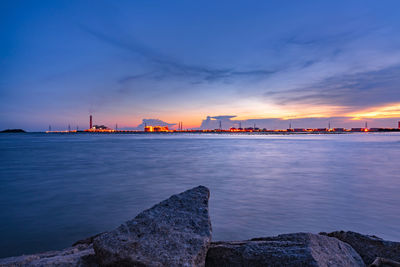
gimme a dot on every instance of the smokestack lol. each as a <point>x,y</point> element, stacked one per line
<point>91,122</point>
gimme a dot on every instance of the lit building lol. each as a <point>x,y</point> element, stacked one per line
<point>339,129</point>
<point>150,129</point>
<point>100,127</point>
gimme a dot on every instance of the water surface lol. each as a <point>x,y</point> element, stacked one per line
<point>56,189</point>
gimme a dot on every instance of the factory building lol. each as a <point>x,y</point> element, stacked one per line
<point>158,129</point>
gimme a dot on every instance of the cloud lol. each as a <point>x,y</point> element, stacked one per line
<point>164,66</point>
<point>278,123</point>
<point>357,90</point>
<point>347,69</point>
<point>150,122</point>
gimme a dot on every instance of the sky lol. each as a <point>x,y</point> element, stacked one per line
<point>124,61</point>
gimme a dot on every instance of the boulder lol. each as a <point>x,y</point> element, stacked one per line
<point>175,232</point>
<point>369,247</point>
<point>382,262</point>
<point>80,255</point>
<point>299,249</point>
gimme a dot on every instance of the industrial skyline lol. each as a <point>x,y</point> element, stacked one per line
<point>221,124</point>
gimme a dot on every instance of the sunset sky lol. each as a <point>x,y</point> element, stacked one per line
<point>123,61</point>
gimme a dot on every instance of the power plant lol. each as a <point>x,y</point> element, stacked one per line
<point>164,129</point>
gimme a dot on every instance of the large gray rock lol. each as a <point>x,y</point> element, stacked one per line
<point>81,255</point>
<point>299,249</point>
<point>369,247</point>
<point>175,232</point>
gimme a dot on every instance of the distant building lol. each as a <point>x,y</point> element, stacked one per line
<point>374,129</point>
<point>339,129</point>
<point>356,129</point>
<point>150,129</point>
<point>321,130</point>
<point>153,122</point>
<point>100,127</point>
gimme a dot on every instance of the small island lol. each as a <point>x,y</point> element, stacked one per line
<point>13,131</point>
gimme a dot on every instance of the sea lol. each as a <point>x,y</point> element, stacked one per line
<point>58,188</point>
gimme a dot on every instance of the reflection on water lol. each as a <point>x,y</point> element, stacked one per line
<point>56,189</point>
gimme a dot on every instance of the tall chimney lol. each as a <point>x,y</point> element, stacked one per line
<point>91,122</point>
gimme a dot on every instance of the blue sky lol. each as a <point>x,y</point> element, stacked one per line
<point>183,60</point>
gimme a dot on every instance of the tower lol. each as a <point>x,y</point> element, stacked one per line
<point>366,125</point>
<point>220,125</point>
<point>90,122</point>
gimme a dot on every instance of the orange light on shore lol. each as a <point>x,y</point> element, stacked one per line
<point>66,131</point>
<point>100,130</point>
<point>150,129</point>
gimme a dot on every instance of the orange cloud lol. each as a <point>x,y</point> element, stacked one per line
<point>387,111</point>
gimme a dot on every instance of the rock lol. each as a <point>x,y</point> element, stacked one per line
<point>87,241</point>
<point>381,262</point>
<point>80,255</point>
<point>299,249</point>
<point>175,232</point>
<point>369,247</point>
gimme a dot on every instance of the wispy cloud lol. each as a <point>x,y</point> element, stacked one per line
<point>355,90</point>
<point>164,66</point>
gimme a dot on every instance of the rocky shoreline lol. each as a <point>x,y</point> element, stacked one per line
<point>177,232</point>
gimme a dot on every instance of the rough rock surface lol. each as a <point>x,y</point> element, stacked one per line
<point>369,247</point>
<point>299,249</point>
<point>80,255</point>
<point>175,232</point>
<point>381,262</point>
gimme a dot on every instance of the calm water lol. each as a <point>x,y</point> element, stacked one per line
<point>56,189</point>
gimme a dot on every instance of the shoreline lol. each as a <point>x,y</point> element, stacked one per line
<point>205,132</point>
